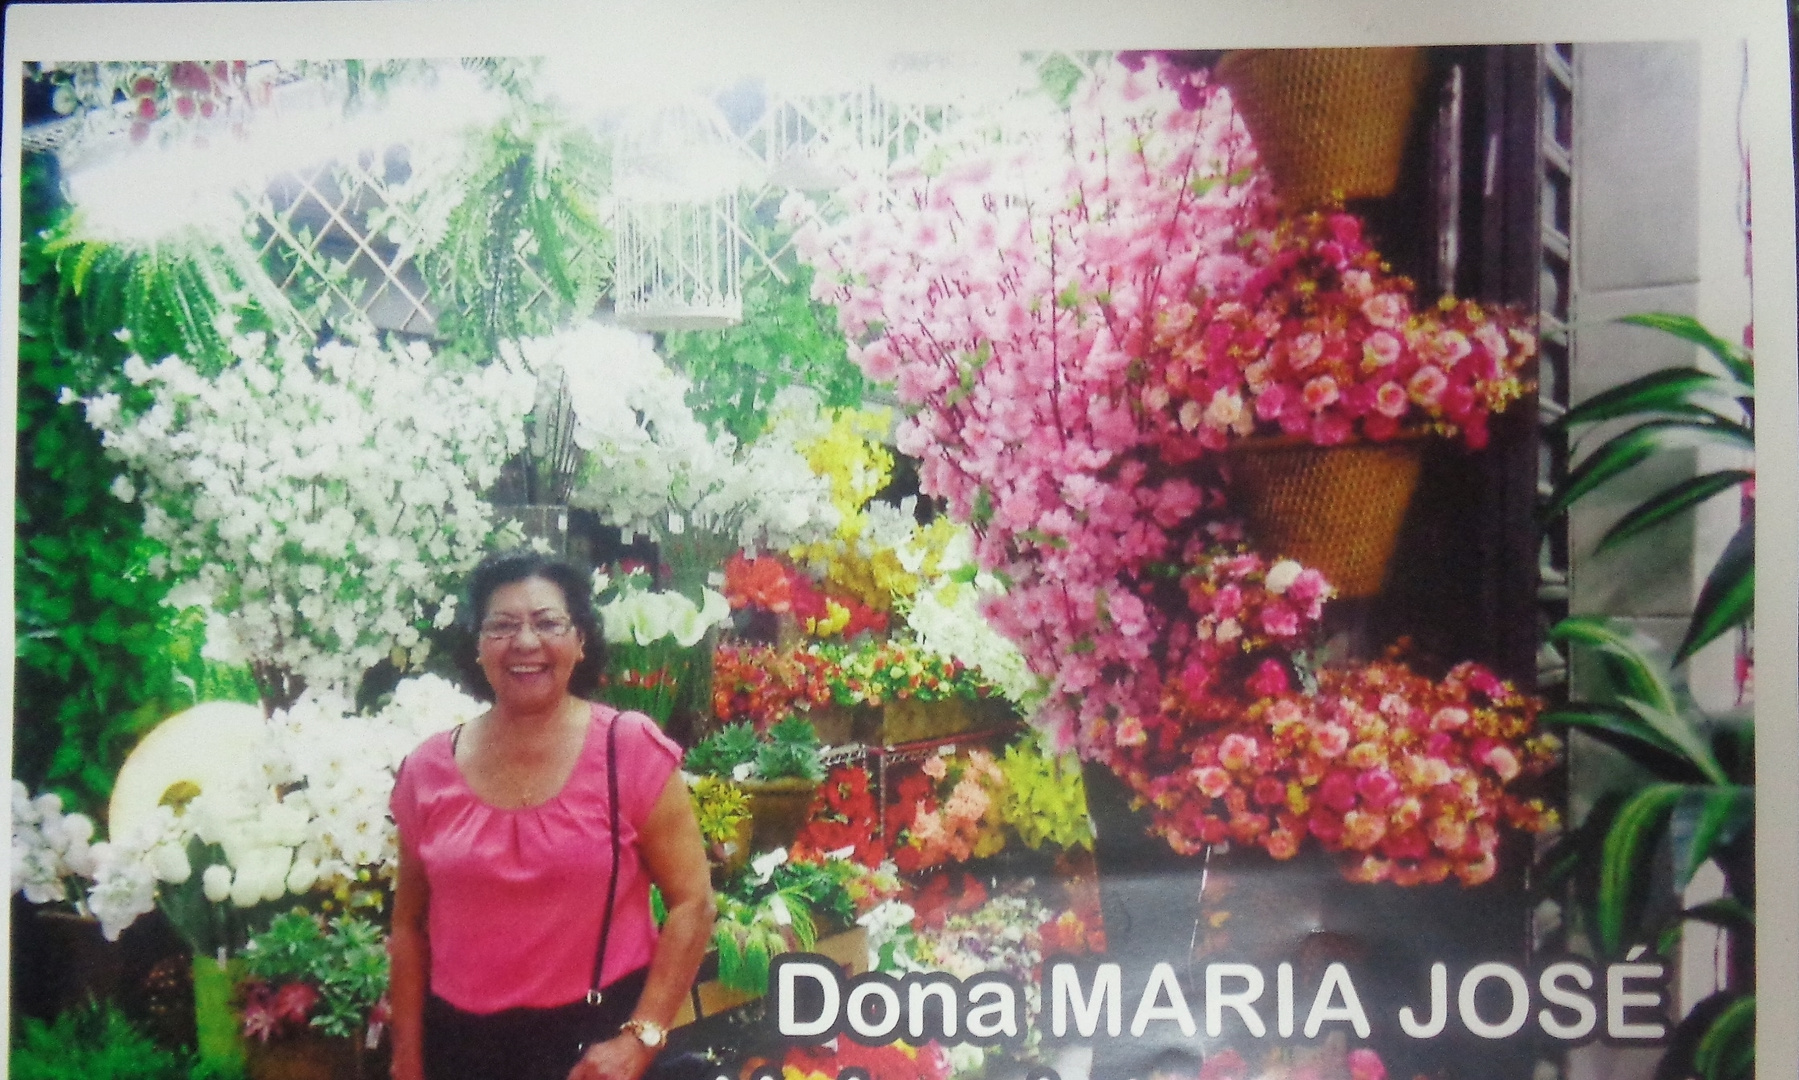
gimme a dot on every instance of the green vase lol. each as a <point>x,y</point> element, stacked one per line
<point>218,1029</point>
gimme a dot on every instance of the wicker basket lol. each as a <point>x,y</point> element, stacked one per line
<point>1335,508</point>
<point>1328,123</point>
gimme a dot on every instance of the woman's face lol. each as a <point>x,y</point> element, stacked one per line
<point>528,645</point>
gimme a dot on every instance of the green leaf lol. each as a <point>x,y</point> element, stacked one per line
<point>1727,1049</point>
<point>1667,390</point>
<point>1703,822</point>
<point>1059,77</point>
<point>1727,913</point>
<point>1677,729</point>
<point>1677,1056</point>
<point>1630,449</point>
<point>982,511</point>
<point>1734,358</point>
<point>1728,597</point>
<point>1624,653</point>
<point>1623,873</point>
<point>1672,502</point>
<point>1631,736</point>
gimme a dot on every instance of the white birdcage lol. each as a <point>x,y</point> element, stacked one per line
<point>675,182</point>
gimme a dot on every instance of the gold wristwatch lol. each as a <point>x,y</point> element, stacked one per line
<point>648,1032</point>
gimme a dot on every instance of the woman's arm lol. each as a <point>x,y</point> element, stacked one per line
<point>675,856</point>
<point>410,954</point>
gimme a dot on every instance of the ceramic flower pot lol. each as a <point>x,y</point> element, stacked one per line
<point>306,1056</point>
<point>1337,509</point>
<point>778,809</point>
<point>1328,123</point>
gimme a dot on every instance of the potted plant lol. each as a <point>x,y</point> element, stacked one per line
<point>1690,799</point>
<point>53,859</point>
<point>1670,410</point>
<point>723,811</point>
<point>313,996</point>
<point>1319,376</point>
<point>779,772</point>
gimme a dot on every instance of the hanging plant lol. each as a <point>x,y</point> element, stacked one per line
<point>515,241</point>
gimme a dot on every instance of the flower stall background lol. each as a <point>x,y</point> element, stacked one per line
<point>1059,516</point>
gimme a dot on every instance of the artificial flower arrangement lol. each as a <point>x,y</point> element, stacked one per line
<point>848,454</point>
<point>1404,777</point>
<point>945,616</point>
<point>842,819</point>
<point>1044,798</point>
<point>1076,318</point>
<point>321,503</point>
<point>653,663</point>
<point>1323,342</point>
<point>772,584</point>
<point>308,817</point>
<point>305,974</point>
<point>877,672</point>
<point>946,811</point>
<point>763,684</point>
<point>779,904</point>
<point>1010,933</point>
<point>52,851</point>
<point>653,468</point>
<point>721,808</point>
<point>880,554</point>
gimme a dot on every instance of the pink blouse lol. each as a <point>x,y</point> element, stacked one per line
<point>516,896</point>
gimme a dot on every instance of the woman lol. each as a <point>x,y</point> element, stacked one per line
<point>507,842</point>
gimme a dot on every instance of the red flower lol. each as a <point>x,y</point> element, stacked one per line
<point>1270,680</point>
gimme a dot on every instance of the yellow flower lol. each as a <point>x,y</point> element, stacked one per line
<point>836,618</point>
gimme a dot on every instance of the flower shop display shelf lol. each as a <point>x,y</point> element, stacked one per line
<point>885,758</point>
<point>904,721</point>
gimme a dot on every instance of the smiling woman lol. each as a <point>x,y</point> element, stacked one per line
<point>523,943</point>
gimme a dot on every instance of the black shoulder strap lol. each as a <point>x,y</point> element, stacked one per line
<point>599,960</point>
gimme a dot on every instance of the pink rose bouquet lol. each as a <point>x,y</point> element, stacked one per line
<point>1407,777</point>
<point>1323,342</point>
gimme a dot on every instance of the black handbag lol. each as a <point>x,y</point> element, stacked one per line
<point>545,1043</point>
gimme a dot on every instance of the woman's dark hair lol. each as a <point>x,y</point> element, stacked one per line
<point>510,567</point>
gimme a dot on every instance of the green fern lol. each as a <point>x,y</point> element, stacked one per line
<point>91,1042</point>
<point>523,247</point>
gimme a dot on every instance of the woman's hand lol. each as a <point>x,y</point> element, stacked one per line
<point>622,1057</point>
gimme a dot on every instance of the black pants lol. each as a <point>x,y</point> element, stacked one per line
<point>523,1044</point>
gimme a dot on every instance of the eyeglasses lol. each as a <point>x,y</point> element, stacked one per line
<point>549,627</point>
